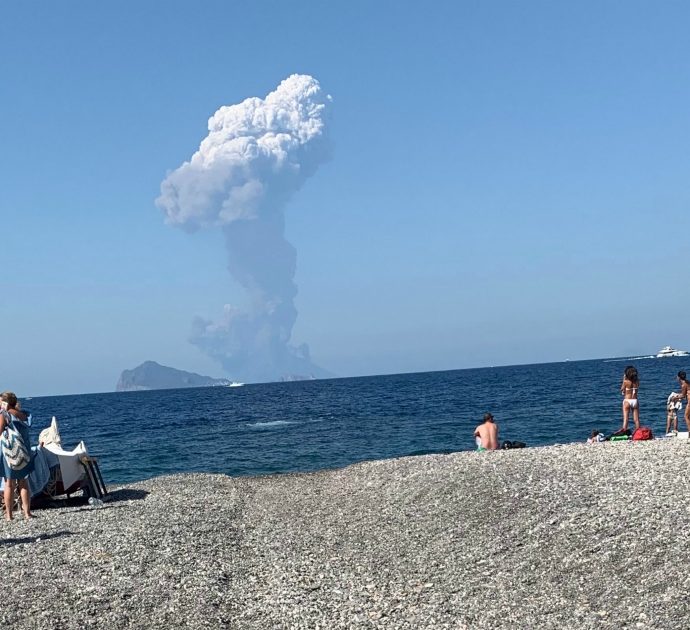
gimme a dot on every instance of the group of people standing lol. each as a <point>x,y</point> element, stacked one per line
<point>486,434</point>
<point>17,460</point>
<point>630,389</point>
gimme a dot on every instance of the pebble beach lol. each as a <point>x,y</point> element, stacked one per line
<point>571,536</point>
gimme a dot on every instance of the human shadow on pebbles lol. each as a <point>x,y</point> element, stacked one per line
<point>32,539</point>
<point>102,508</point>
<point>121,494</point>
<point>127,494</point>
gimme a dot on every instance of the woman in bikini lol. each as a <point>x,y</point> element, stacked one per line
<point>629,389</point>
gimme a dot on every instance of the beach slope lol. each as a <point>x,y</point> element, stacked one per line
<point>558,537</point>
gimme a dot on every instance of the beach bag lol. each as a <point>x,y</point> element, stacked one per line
<point>621,434</point>
<point>14,449</point>
<point>643,433</point>
<point>510,444</point>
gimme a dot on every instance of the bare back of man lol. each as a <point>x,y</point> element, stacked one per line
<point>487,434</point>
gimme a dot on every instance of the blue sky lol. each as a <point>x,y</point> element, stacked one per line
<point>509,181</point>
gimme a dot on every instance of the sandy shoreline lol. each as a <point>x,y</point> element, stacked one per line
<point>565,536</point>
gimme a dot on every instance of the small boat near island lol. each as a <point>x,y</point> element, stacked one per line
<point>668,351</point>
<point>235,384</point>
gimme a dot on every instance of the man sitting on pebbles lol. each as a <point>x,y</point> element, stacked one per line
<point>486,434</point>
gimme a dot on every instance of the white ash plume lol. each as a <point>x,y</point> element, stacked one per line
<point>257,154</point>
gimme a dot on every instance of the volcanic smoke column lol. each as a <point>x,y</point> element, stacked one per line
<point>256,156</point>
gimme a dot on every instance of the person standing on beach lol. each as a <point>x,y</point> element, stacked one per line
<point>684,395</point>
<point>629,389</point>
<point>12,416</point>
<point>486,434</point>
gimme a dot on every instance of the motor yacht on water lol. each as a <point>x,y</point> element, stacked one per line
<point>668,351</point>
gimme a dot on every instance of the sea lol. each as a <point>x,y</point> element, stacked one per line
<point>277,428</point>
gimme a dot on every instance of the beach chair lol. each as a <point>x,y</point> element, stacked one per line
<point>94,480</point>
<point>90,483</point>
<point>55,486</point>
<point>73,471</point>
<point>70,471</point>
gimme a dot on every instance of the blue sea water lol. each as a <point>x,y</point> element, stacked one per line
<point>311,425</point>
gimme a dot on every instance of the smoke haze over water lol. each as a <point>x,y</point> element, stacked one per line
<point>257,154</point>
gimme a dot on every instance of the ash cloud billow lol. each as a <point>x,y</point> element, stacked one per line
<point>256,155</point>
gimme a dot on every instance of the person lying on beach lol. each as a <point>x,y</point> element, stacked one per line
<point>486,434</point>
<point>684,394</point>
<point>596,436</point>
<point>629,389</point>
<point>13,418</point>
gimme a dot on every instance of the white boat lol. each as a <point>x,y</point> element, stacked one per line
<point>668,351</point>
<point>235,384</point>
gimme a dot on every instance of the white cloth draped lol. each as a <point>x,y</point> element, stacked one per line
<point>69,461</point>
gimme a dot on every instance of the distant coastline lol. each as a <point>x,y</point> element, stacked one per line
<point>151,375</point>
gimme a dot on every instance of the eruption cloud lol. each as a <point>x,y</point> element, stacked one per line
<point>257,154</point>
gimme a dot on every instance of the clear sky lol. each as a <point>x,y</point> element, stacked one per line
<point>509,182</point>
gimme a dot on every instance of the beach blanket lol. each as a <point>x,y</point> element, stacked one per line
<point>39,476</point>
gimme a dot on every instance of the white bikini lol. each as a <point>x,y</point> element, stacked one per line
<point>632,402</point>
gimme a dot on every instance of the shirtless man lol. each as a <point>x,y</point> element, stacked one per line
<point>486,434</point>
<point>684,395</point>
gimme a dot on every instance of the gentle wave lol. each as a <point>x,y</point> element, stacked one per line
<point>271,423</point>
<point>649,356</point>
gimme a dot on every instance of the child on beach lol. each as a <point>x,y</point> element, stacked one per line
<point>673,406</point>
<point>629,389</point>
<point>13,420</point>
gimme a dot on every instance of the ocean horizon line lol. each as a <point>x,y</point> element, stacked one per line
<point>354,376</point>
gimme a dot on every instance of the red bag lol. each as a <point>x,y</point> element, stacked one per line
<point>643,433</point>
